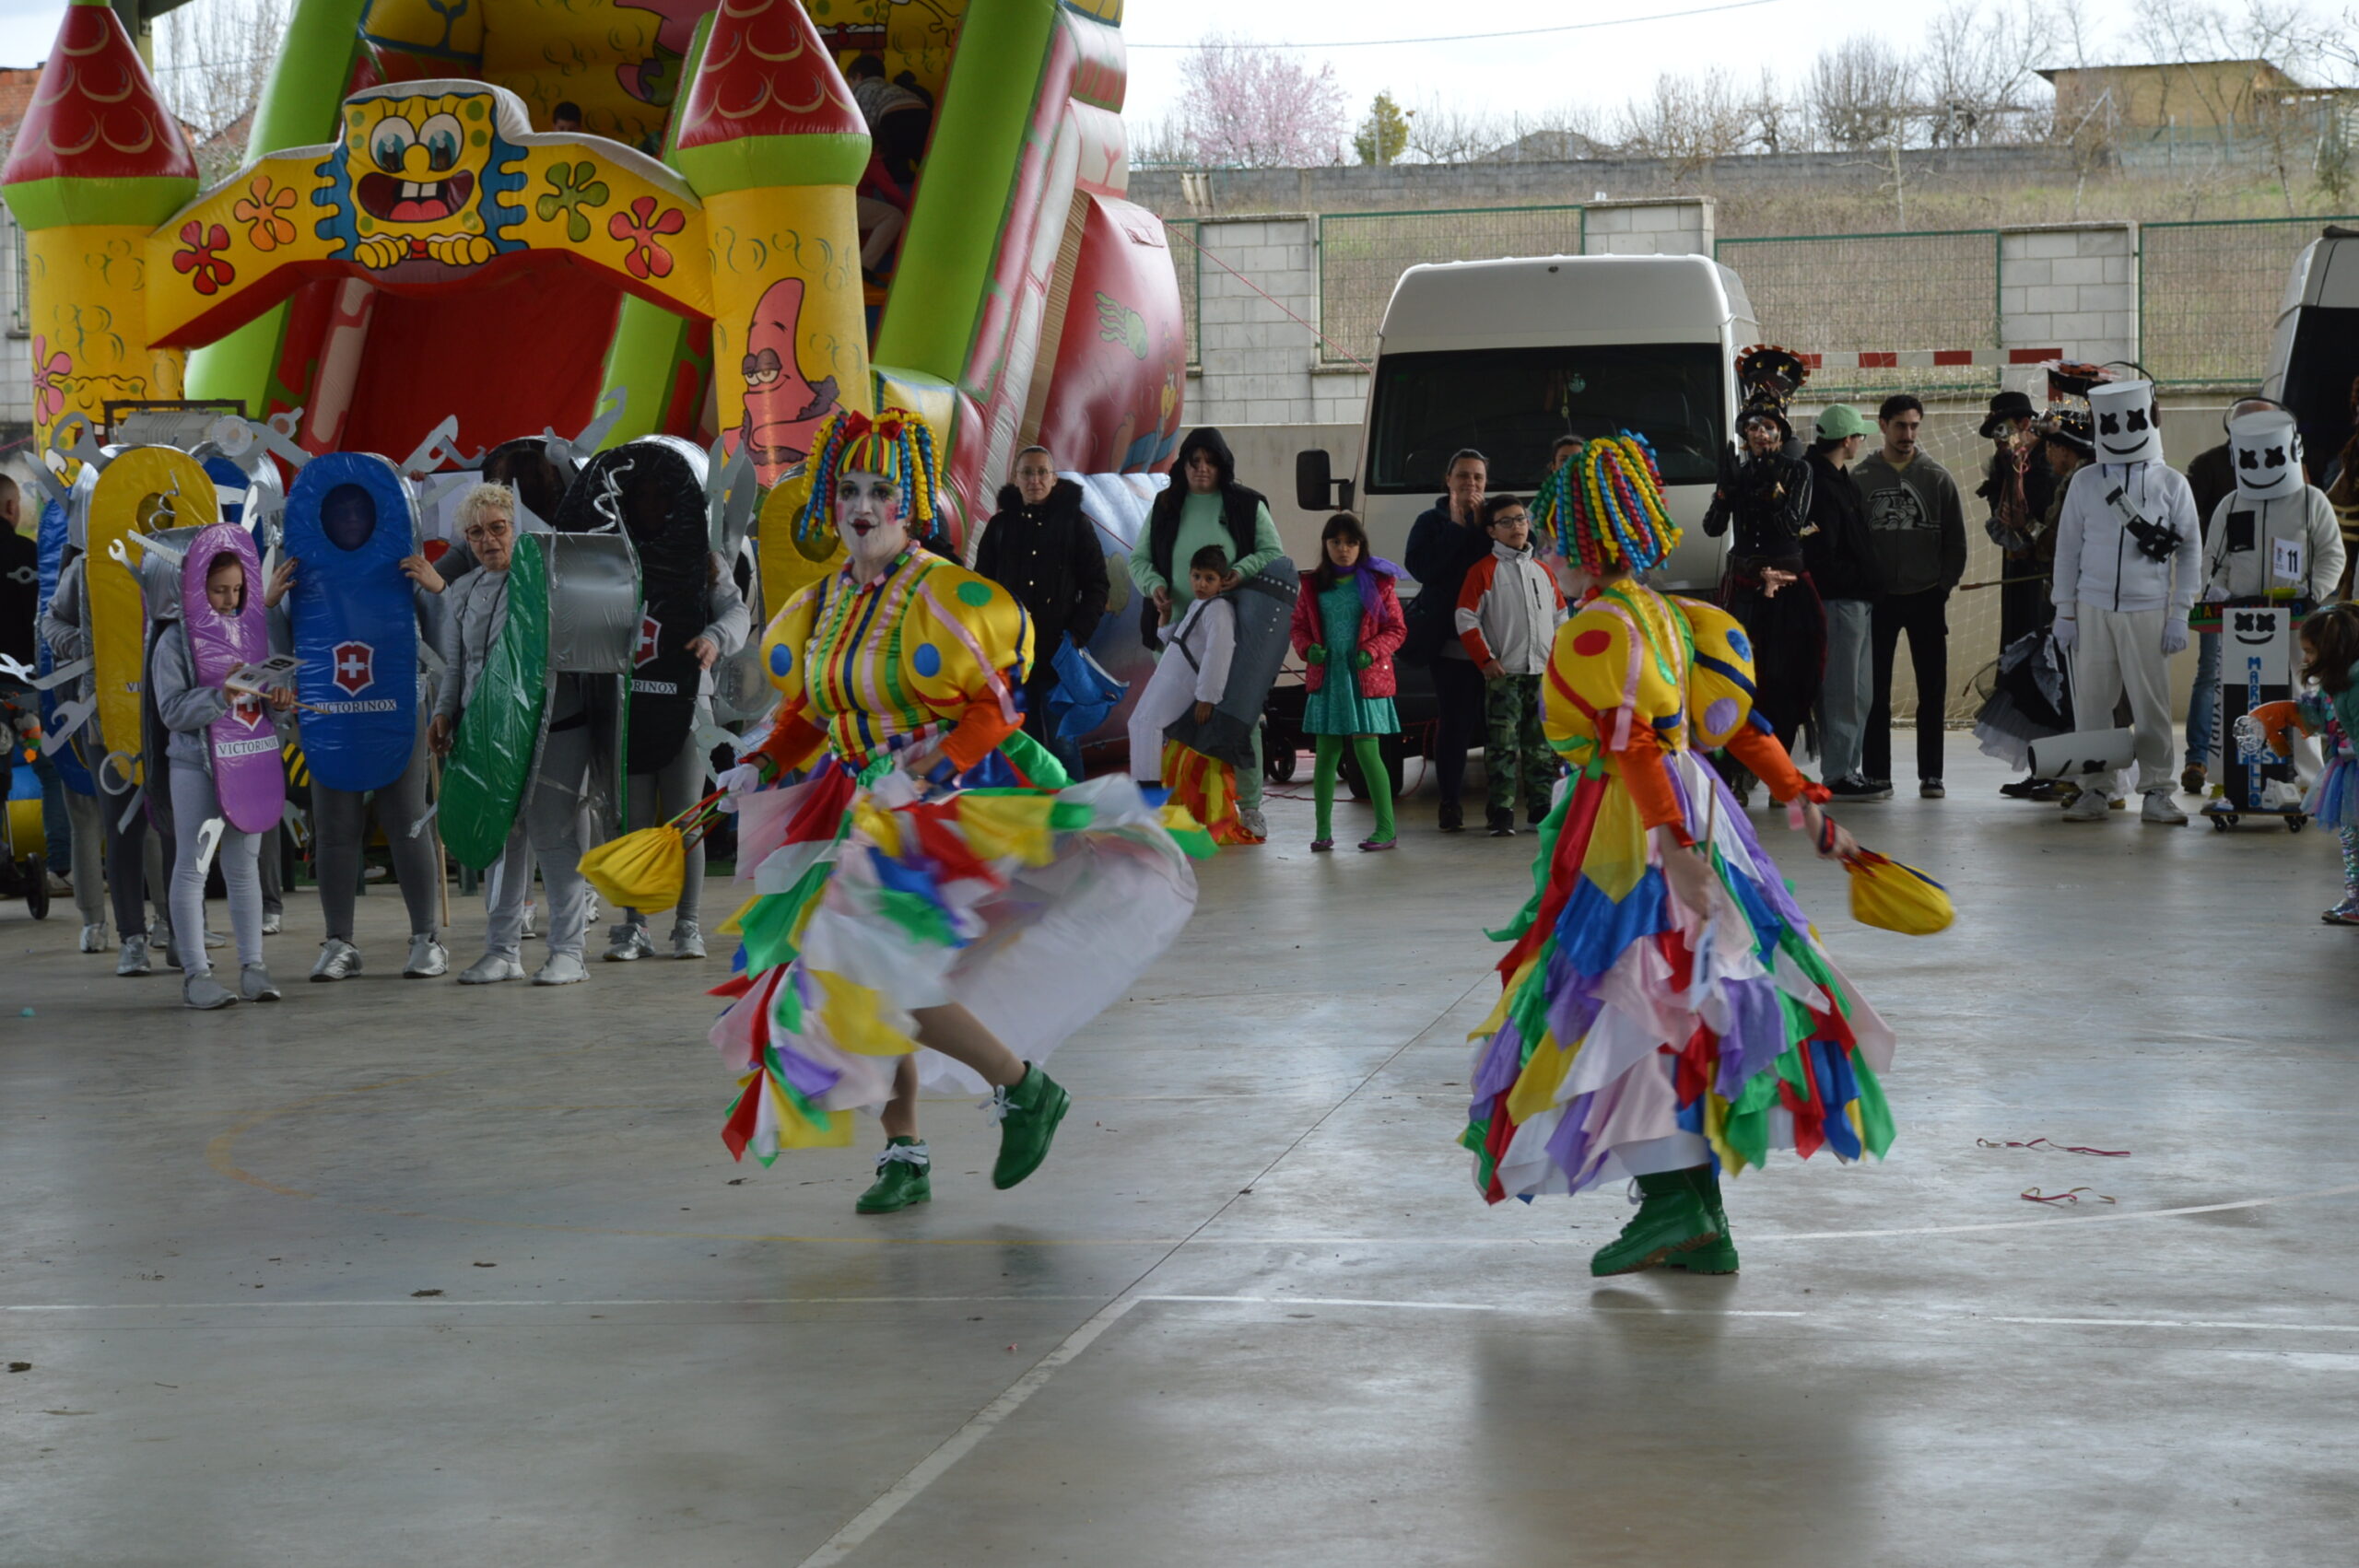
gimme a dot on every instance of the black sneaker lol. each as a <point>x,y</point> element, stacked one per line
<point>1858,790</point>
<point>2021,788</point>
<point>1931,789</point>
<point>1453,819</point>
<point>1502,824</point>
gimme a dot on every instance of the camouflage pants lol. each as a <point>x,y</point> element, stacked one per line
<point>1517,761</point>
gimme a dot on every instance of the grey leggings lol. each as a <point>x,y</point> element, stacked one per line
<point>340,826</point>
<point>135,864</point>
<point>90,856</point>
<point>548,828</point>
<point>194,803</point>
<point>658,797</point>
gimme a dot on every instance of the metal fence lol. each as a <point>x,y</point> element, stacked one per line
<point>1363,254</point>
<point>1183,233</point>
<point>2209,293</point>
<point>1824,293</point>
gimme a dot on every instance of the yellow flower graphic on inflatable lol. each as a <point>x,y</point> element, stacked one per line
<point>264,212</point>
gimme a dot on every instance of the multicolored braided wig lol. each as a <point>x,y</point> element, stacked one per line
<point>1604,507</point>
<point>896,444</point>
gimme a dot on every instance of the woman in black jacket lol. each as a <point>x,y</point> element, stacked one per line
<point>1444,544</point>
<point>1842,560</point>
<point>1040,548</point>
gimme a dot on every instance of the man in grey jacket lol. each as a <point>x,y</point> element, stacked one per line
<point>548,821</point>
<point>1917,524</point>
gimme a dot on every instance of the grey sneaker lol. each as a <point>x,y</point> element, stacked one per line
<point>1250,818</point>
<point>213,939</point>
<point>255,984</point>
<point>562,969</point>
<point>2161,810</point>
<point>2090,805</point>
<point>135,957</point>
<point>688,941</point>
<point>627,943</point>
<point>94,938</point>
<point>338,960</point>
<point>205,993</point>
<point>490,969</point>
<point>273,922</point>
<point>427,958</point>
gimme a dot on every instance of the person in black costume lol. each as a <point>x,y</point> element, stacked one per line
<point>1764,500</point>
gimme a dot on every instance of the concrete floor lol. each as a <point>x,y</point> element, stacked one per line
<point>395,1273</point>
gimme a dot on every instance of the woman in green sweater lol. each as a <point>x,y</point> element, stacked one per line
<point>1207,506</point>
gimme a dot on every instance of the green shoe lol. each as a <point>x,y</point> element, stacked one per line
<point>1716,1257</point>
<point>901,1178</point>
<point>1028,1112</point>
<point>1671,1219</point>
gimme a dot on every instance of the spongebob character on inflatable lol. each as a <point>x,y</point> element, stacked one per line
<point>417,182</point>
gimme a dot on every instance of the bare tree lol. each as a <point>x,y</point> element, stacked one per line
<point>1976,75</point>
<point>1780,121</point>
<point>1690,120</point>
<point>2249,76</point>
<point>212,60</point>
<point>1443,131</point>
<point>1245,106</point>
<point>1861,94</point>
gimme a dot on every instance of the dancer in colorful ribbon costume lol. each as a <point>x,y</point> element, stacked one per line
<point>937,890</point>
<point>1667,1011</point>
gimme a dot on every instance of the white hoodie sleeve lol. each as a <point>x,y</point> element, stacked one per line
<point>2326,545</point>
<point>2186,560</point>
<point>1215,648</point>
<point>2071,523</point>
<point>2216,551</point>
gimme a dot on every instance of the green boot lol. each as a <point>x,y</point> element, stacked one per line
<point>1714,1257</point>
<point>1671,1219</point>
<point>902,1178</point>
<point>1028,1110</point>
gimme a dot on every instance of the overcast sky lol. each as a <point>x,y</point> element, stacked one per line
<point>1540,70</point>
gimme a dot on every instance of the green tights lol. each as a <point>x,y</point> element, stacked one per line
<point>1329,751</point>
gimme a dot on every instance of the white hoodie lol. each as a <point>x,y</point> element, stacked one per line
<point>2097,561</point>
<point>2307,516</point>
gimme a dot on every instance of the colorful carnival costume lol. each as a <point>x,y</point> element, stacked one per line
<point>2333,801</point>
<point>1634,1038</point>
<point>1024,902</point>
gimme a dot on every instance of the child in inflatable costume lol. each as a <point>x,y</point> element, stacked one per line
<point>938,883</point>
<point>2329,709</point>
<point>1667,1010</point>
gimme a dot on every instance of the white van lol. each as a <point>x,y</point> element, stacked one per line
<point>1506,356</point>
<point>2313,355</point>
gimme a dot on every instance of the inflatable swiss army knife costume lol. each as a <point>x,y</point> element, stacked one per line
<point>572,611</point>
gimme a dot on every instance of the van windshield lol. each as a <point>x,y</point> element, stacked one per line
<point>1512,403</point>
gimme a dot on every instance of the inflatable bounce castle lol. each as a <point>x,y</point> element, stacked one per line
<point>417,236</point>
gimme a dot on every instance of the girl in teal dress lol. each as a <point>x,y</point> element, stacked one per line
<point>1347,624</point>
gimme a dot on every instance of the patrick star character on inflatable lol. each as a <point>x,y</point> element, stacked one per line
<point>782,408</point>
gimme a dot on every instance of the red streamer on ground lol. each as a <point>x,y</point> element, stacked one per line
<point>2056,1148</point>
<point>2032,1195</point>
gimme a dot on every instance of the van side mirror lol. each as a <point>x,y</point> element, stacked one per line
<point>1315,485</point>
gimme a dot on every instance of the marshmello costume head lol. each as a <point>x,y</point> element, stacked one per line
<point>2128,424</point>
<point>2267,450</point>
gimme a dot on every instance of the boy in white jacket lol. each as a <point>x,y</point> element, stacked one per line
<point>2126,568</point>
<point>1509,609</point>
<point>1193,670</point>
<point>2272,512</point>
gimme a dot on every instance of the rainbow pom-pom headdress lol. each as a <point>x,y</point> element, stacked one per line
<point>1604,507</point>
<point>896,444</point>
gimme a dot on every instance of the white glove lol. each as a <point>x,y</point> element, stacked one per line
<point>2174,635</point>
<point>741,779</point>
<point>2067,632</point>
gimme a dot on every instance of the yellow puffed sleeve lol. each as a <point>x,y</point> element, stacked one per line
<point>1720,684</point>
<point>1602,663</point>
<point>965,651</point>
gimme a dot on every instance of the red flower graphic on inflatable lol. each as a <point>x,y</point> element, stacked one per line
<point>639,229</point>
<point>211,272</point>
<point>50,374</point>
<point>264,214</point>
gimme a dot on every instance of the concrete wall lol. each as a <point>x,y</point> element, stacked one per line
<point>1408,186</point>
<point>1259,364</point>
<point>2072,287</point>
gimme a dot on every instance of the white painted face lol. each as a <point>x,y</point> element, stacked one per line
<point>872,517</point>
<point>2267,450</point>
<point>2124,414</point>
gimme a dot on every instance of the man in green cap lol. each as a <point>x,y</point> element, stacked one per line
<point>1842,561</point>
